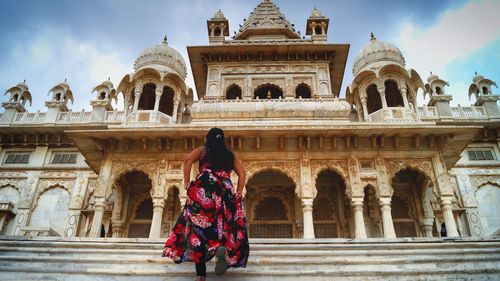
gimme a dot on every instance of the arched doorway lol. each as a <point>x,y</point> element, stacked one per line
<point>233,92</point>
<point>172,210</point>
<point>133,207</point>
<point>148,96</point>
<point>488,197</point>
<point>393,94</point>
<point>272,206</point>
<point>51,210</point>
<point>267,91</point>
<point>374,103</point>
<point>371,213</point>
<point>8,194</point>
<point>167,101</point>
<point>303,91</point>
<point>410,204</point>
<point>330,207</point>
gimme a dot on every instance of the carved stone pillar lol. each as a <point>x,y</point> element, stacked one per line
<point>158,205</point>
<point>365,109</point>
<point>118,227</point>
<point>449,220</point>
<point>427,227</point>
<point>405,98</point>
<point>307,209</point>
<point>381,90</point>
<point>385,208</point>
<point>158,93</point>
<point>359,221</point>
<point>95,230</point>
<point>137,96</point>
<point>174,113</point>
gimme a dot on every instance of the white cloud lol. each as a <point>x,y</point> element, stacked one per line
<point>457,34</point>
<point>52,55</point>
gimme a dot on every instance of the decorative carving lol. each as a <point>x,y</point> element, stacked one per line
<point>289,168</point>
<point>478,181</point>
<point>421,165</point>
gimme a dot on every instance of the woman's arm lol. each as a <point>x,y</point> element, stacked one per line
<point>240,171</point>
<point>192,157</point>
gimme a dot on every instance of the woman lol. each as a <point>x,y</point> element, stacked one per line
<point>213,219</point>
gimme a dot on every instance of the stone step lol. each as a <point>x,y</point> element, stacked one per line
<point>334,259</point>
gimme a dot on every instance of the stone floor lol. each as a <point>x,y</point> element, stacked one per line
<point>270,259</point>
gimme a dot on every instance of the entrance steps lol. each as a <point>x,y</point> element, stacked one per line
<point>85,259</point>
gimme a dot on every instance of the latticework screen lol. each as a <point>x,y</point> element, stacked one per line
<point>325,230</point>
<point>277,230</point>
<point>405,229</point>
<point>138,230</point>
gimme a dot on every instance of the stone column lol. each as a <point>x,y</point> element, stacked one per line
<point>137,96</point>
<point>158,204</point>
<point>385,208</point>
<point>381,90</point>
<point>359,221</point>
<point>117,228</point>
<point>449,220</point>
<point>158,93</point>
<point>427,227</point>
<point>405,98</point>
<point>3,217</point>
<point>365,109</point>
<point>174,112</point>
<point>307,209</point>
<point>95,230</point>
<point>126,105</point>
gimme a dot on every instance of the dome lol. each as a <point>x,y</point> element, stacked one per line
<point>432,77</point>
<point>477,78</point>
<point>376,52</point>
<point>163,57</point>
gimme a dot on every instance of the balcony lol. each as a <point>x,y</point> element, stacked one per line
<point>142,118</point>
<point>393,115</point>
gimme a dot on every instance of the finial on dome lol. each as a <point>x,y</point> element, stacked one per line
<point>372,37</point>
<point>24,81</point>
<point>431,72</point>
<point>266,1</point>
<point>165,41</point>
<point>475,72</point>
<point>65,80</point>
<point>109,78</point>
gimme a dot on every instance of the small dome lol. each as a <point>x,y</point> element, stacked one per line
<point>218,16</point>
<point>316,14</point>
<point>376,52</point>
<point>163,56</point>
<point>477,78</point>
<point>432,77</point>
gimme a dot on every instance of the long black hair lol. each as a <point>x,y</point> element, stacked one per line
<point>218,155</point>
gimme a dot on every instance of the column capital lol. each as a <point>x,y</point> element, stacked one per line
<point>99,202</point>
<point>445,200</point>
<point>158,92</point>
<point>384,200</point>
<point>158,202</point>
<point>357,200</point>
<point>307,204</point>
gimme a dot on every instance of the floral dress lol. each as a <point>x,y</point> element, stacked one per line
<point>212,217</point>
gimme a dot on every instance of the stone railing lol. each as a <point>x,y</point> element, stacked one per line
<point>113,116</point>
<point>37,231</point>
<point>393,115</point>
<point>6,207</point>
<point>74,117</point>
<point>458,112</point>
<point>30,117</point>
<point>147,118</point>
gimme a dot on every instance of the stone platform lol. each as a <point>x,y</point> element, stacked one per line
<point>270,259</point>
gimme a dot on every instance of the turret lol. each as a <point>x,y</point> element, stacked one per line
<point>481,89</point>
<point>317,26</point>
<point>19,95</point>
<point>435,88</point>
<point>218,28</point>
<point>60,95</point>
<point>105,93</point>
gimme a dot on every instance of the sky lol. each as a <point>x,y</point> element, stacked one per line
<point>85,42</point>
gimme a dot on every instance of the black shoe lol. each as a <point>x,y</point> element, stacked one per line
<point>221,265</point>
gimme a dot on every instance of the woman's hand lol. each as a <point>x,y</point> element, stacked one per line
<point>187,184</point>
<point>238,195</point>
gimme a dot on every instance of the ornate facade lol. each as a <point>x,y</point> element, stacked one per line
<point>371,164</point>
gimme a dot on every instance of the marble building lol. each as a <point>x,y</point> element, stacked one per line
<point>369,162</point>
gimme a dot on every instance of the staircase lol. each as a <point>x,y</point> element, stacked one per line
<point>52,258</point>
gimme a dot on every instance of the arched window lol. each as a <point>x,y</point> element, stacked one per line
<point>374,102</point>
<point>438,91</point>
<point>485,91</point>
<point>267,91</point>
<point>167,101</point>
<point>102,95</point>
<point>147,100</point>
<point>233,92</point>
<point>217,31</point>
<point>393,94</point>
<point>318,30</point>
<point>14,98</point>
<point>303,91</point>
<point>57,97</point>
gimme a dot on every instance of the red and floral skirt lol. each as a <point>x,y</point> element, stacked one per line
<point>212,217</point>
